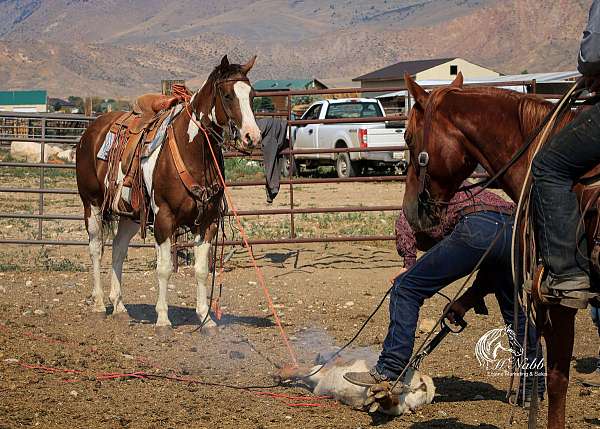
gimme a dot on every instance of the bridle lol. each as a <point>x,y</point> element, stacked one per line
<point>424,196</point>
<point>231,130</point>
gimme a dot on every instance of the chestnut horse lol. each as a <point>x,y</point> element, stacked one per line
<point>463,127</point>
<point>225,100</point>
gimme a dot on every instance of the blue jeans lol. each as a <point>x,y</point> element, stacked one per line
<point>568,155</point>
<point>449,260</point>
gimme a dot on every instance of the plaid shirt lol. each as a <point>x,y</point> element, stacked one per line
<point>407,243</point>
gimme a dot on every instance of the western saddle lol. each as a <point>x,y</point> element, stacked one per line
<point>125,193</point>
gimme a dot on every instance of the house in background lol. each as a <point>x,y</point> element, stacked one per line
<point>279,103</point>
<point>427,72</point>
<point>24,101</point>
<point>442,69</point>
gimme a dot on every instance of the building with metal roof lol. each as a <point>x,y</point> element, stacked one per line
<point>24,101</point>
<point>430,69</point>
<point>287,84</point>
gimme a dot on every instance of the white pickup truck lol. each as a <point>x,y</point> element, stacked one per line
<point>349,135</point>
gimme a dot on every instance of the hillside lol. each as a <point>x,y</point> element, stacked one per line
<point>124,47</point>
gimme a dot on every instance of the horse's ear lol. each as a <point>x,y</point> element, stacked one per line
<point>246,67</point>
<point>225,61</point>
<point>418,93</point>
<point>458,81</point>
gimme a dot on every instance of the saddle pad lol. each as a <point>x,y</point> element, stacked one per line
<point>159,138</point>
<point>105,148</point>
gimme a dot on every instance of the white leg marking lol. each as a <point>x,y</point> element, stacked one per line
<point>125,232</point>
<point>96,245</point>
<point>249,127</point>
<point>201,255</point>
<point>164,268</point>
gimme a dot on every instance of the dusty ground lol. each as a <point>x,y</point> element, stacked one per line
<point>323,293</point>
<point>322,302</point>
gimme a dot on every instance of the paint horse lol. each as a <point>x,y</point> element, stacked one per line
<point>463,127</point>
<point>181,180</point>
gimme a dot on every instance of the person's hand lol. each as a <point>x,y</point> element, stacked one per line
<point>456,312</point>
<point>592,83</point>
<point>402,271</point>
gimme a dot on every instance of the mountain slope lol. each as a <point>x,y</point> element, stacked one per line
<point>124,47</point>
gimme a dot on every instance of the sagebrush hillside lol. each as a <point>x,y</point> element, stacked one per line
<point>124,47</point>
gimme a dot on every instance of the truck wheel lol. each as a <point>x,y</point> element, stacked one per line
<point>288,167</point>
<point>344,166</point>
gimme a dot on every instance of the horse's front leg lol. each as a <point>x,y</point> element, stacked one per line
<point>93,223</point>
<point>125,232</point>
<point>559,332</point>
<point>164,268</point>
<point>201,262</point>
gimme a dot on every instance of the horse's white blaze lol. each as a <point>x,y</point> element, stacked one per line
<point>164,268</point>
<point>249,127</point>
<point>201,254</point>
<point>94,227</point>
<point>125,232</point>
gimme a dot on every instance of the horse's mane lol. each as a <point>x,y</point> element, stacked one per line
<point>225,72</point>
<point>531,109</point>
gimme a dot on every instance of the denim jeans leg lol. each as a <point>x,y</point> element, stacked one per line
<point>452,258</point>
<point>567,156</point>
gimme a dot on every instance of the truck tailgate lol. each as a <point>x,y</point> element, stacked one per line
<point>381,137</point>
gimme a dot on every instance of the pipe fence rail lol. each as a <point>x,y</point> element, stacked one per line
<point>66,129</point>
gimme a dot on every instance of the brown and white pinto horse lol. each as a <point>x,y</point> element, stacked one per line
<point>225,99</point>
<point>461,128</point>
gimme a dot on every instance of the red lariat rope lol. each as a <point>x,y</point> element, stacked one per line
<point>259,274</point>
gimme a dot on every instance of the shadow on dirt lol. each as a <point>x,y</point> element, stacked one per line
<point>454,389</point>
<point>449,423</point>
<point>183,316</point>
<point>585,365</point>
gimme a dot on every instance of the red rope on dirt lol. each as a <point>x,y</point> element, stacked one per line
<point>257,269</point>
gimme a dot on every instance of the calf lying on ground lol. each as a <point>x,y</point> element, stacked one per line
<point>330,381</point>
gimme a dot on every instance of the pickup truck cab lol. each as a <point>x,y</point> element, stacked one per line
<point>349,135</point>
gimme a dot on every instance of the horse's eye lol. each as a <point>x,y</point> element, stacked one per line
<point>228,97</point>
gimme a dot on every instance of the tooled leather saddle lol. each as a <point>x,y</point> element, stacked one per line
<point>132,130</point>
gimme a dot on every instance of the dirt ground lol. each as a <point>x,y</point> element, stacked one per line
<point>46,321</point>
<point>322,293</point>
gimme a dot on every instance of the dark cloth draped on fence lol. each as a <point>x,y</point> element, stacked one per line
<point>274,140</point>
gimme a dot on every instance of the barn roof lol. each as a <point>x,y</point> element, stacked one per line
<point>396,71</point>
<point>286,84</point>
<point>20,98</point>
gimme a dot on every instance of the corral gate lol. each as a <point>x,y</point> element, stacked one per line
<point>65,129</point>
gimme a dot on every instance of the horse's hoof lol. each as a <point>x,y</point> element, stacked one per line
<point>164,331</point>
<point>209,331</point>
<point>122,316</point>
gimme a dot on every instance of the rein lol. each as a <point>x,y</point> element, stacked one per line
<point>424,197</point>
